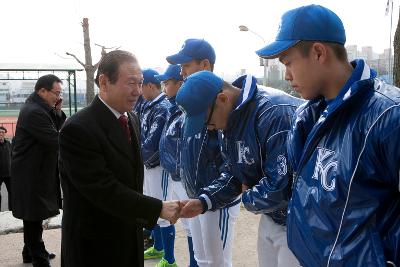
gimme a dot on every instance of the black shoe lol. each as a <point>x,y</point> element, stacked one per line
<point>27,258</point>
<point>148,242</point>
<point>41,263</point>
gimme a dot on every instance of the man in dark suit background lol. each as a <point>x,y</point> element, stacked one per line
<point>33,167</point>
<point>102,174</point>
<point>5,163</point>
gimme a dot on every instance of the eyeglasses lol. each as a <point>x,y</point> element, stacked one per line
<point>55,93</point>
<point>212,109</point>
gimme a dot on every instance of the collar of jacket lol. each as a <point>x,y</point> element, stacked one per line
<point>361,75</point>
<point>248,85</point>
<point>172,100</point>
<point>156,100</point>
<point>174,108</point>
<point>34,97</point>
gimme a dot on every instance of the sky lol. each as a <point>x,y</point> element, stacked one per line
<point>41,31</point>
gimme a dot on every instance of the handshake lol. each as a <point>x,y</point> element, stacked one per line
<point>173,210</point>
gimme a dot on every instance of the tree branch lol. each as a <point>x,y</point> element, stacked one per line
<point>76,58</point>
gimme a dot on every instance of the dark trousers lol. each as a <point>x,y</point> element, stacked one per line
<point>6,181</point>
<point>34,245</point>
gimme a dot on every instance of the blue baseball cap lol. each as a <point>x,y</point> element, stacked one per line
<point>195,96</point>
<point>149,76</point>
<point>306,23</point>
<point>172,72</point>
<point>193,49</point>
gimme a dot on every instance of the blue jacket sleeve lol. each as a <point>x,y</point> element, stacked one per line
<point>222,191</point>
<point>226,188</point>
<point>150,146</point>
<point>389,153</point>
<point>274,188</point>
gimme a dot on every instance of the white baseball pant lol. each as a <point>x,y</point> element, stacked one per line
<point>272,247</point>
<point>212,234</point>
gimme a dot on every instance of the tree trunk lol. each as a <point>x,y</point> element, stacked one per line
<point>90,85</point>
<point>89,68</point>
<point>396,63</point>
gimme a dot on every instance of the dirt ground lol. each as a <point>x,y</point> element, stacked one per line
<point>244,248</point>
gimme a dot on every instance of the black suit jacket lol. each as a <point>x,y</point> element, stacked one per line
<point>34,162</point>
<point>102,181</point>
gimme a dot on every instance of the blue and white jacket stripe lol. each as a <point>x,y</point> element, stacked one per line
<point>154,116</point>
<point>138,108</point>
<point>255,149</point>
<point>170,141</point>
<point>345,206</point>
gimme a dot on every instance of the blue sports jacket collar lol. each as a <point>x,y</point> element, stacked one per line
<point>172,100</point>
<point>361,72</point>
<point>156,100</point>
<point>248,85</point>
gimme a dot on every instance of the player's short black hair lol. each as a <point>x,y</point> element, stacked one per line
<point>110,62</point>
<point>46,82</point>
<point>3,128</point>
<point>338,49</point>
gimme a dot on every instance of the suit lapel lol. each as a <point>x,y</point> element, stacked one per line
<point>113,129</point>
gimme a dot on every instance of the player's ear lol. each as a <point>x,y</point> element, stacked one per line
<point>206,65</point>
<point>222,98</point>
<point>319,52</point>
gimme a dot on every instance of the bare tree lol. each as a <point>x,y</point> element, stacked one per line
<point>90,69</point>
<point>396,63</point>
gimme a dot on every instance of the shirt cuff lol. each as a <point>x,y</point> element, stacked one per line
<point>205,200</point>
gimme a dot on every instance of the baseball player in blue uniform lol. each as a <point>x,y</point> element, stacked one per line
<point>201,159</point>
<point>344,147</point>
<point>255,122</point>
<point>170,146</point>
<point>138,108</point>
<point>156,180</point>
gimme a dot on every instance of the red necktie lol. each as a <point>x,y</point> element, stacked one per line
<point>124,123</point>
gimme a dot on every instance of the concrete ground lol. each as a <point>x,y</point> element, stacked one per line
<point>244,248</point>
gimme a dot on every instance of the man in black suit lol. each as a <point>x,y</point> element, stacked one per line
<point>102,174</point>
<point>5,163</point>
<point>34,166</point>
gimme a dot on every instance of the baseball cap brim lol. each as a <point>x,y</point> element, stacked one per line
<point>274,49</point>
<point>178,59</point>
<point>194,124</point>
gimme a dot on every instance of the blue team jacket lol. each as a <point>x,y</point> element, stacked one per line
<point>200,161</point>
<point>255,151</point>
<point>154,116</point>
<point>345,206</point>
<point>139,105</point>
<point>170,141</point>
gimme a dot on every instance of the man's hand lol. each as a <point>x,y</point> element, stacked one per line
<point>170,211</point>
<point>58,104</point>
<point>191,208</point>
<point>244,187</point>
